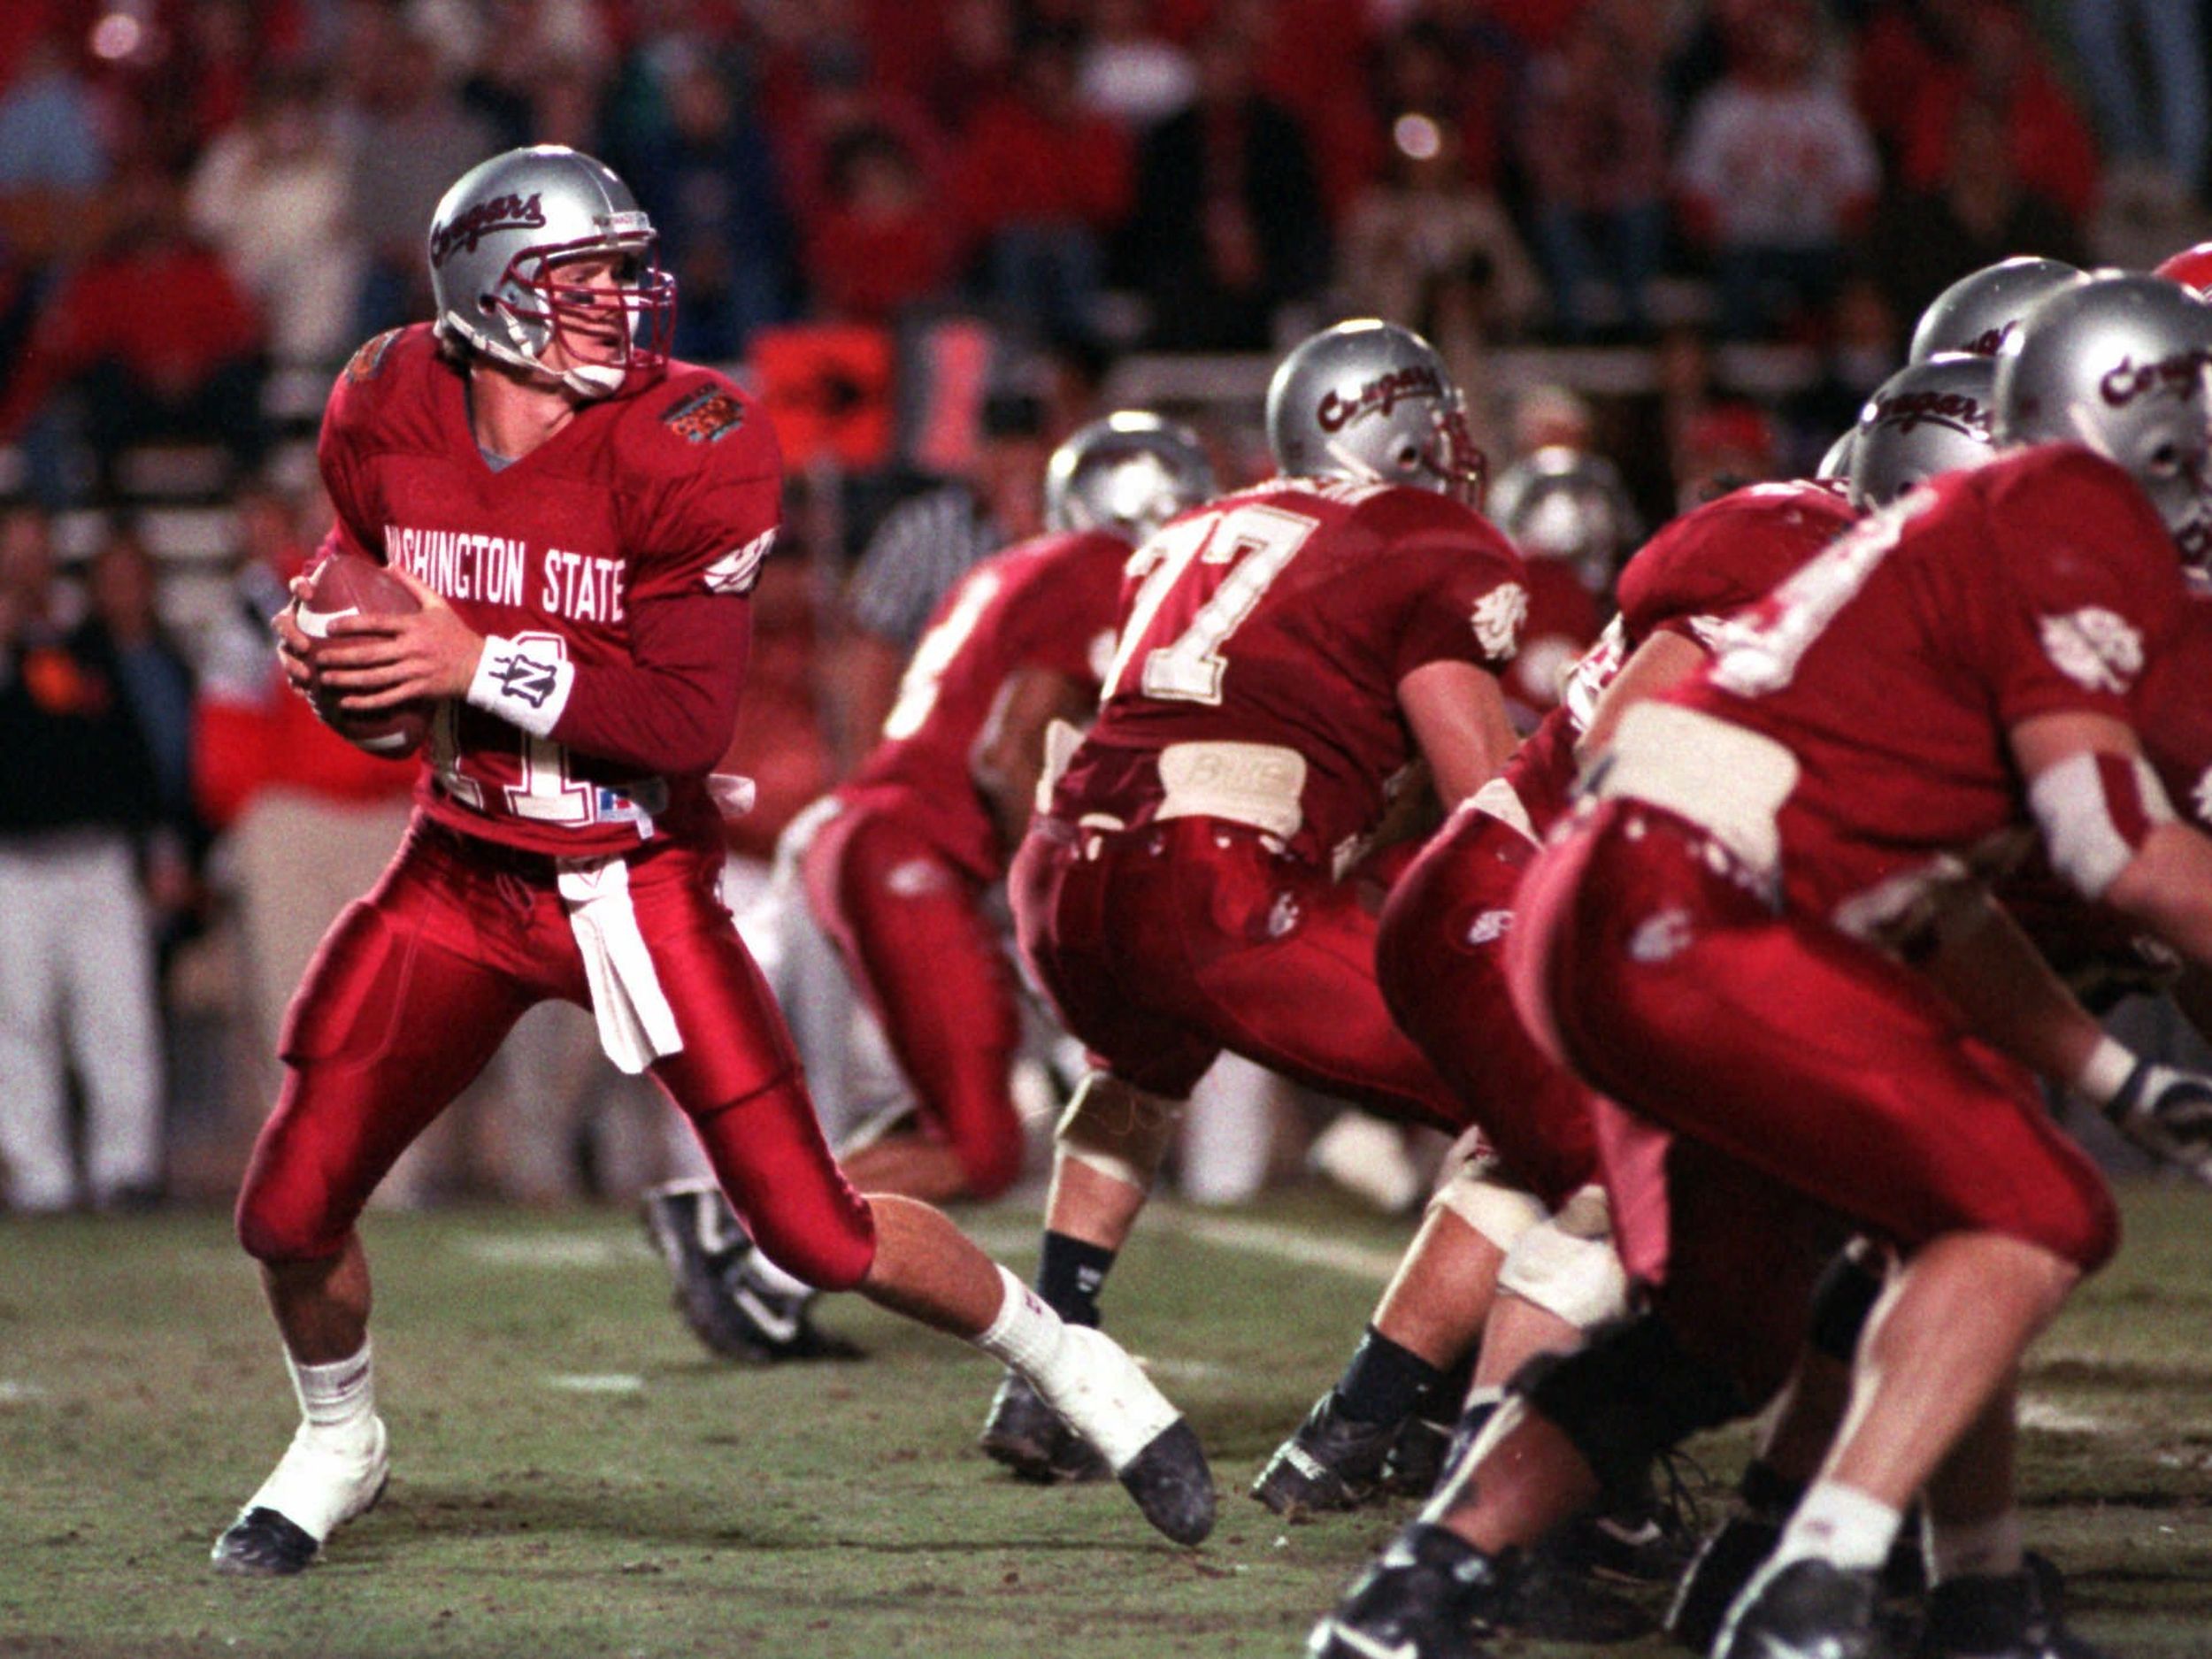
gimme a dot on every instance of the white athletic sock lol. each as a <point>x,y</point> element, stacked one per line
<point>1990,1549</point>
<point>1083,1374</point>
<point>1839,1525</point>
<point>1025,1334</point>
<point>337,1401</point>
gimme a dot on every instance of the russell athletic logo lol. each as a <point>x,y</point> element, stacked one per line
<point>1378,396</point>
<point>479,220</point>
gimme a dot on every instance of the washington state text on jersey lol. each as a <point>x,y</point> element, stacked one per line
<point>495,570</point>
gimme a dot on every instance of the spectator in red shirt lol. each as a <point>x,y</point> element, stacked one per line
<point>1999,63</point>
<point>1043,181</point>
<point>878,242</point>
<point>158,336</point>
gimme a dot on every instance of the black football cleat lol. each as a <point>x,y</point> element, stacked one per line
<point>1025,1434</point>
<point>2012,1617</point>
<point>1173,1487</point>
<point>1417,1458</point>
<point>1331,1463</point>
<point>1100,1391</point>
<point>265,1543</point>
<point>1808,1608</point>
<point>262,1544</point>
<point>779,1323</point>
<point>691,1225</point>
<point>1715,1577</point>
<point>1431,1596</point>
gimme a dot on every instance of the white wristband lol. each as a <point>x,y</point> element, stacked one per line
<point>525,682</point>
<point>2106,1073</point>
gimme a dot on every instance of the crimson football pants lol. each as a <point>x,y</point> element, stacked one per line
<point>1441,961</point>
<point>1805,1058</point>
<point>1164,945</point>
<point>912,931</point>
<point>415,987</point>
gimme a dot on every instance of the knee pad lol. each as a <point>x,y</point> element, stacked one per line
<point>1566,1264</point>
<point>1848,1288</point>
<point>1118,1130</point>
<point>1628,1394</point>
<point>1481,1197</point>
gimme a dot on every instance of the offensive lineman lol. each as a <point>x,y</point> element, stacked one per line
<point>581,519</point>
<point>1286,655</point>
<point>1730,958</point>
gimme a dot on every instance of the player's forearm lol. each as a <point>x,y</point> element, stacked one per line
<point>1008,755</point>
<point>2009,994</point>
<point>670,710</point>
<point>2168,887</point>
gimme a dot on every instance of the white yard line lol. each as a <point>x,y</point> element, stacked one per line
<point>1262,1238</point>
<point>2050,1418</point>
<point>596,1382</point>
<point>15,1391</point>
<point>552,1249</point>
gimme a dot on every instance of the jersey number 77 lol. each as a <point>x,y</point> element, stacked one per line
<point>1229,557</point>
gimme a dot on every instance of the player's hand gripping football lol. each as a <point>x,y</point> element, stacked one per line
<point>2167,1113</point>
<point>372,663</point>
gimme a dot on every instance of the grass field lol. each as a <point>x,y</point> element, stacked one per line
<point>572,1477</point>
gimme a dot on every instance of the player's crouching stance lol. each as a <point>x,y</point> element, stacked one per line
<point>2000,625</point>
<point>582,519</point>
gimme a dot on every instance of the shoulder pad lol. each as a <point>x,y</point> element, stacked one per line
<point>378,372</point>
<point>695,419</point>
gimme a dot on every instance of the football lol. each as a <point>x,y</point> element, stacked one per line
<point>348,585</point>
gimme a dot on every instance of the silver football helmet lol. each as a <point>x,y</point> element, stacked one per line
<point>1128,473</point>
<point>1565,505</point>
<point>498,241</point>
<point>1981,313</point>
<point>1835,461</point>
<point>1926,420</point>
<point>2117,363</point>
<point>1372,402</point>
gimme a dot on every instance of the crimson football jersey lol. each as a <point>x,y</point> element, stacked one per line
<point>1046,603</point>
<point>2177,703</point>
<point>1281,619</point>
<point>1891,668</point>
<point>1710,561</point>
<point>566,560</point>
<point>1562,622</point>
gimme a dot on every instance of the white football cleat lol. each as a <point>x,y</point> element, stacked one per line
<point>1103,1394</point>
<point>314,1489</point>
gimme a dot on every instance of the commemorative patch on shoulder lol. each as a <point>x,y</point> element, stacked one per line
<point>368,361</point>
<point>706,416</point>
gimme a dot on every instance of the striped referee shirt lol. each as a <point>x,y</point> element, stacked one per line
<point>923,546</point>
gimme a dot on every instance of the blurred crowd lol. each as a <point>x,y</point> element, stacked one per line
<point>934,235</point>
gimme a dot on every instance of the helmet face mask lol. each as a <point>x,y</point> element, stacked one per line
<point>1127,474</point>
<point>500,242</point>
<point>1372,401</point>
<point>2118,363</point>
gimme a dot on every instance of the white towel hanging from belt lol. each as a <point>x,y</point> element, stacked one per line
<point>636,1025</point>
